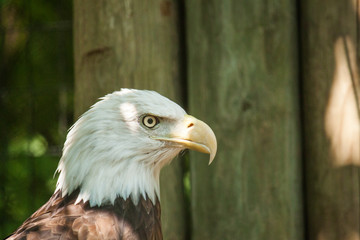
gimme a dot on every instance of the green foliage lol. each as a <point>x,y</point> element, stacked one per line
<point>36,103</point>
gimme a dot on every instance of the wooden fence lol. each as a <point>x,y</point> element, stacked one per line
<point>278,83</point>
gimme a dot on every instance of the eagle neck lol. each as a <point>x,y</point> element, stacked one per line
<point>102,183</point>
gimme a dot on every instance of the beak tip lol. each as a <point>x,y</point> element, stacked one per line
<point>212,156</point>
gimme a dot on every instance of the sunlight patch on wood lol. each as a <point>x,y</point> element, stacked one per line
<point>353,235</point>
<point>342,124</point>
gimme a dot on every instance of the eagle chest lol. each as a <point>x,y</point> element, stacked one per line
<point>123,220</point>
<point>61,218</point>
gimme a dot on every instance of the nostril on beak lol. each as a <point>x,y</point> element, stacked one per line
<point>190,125</point>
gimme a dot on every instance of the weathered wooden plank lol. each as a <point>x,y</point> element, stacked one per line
<point>331,118</point>
<point>243,82</point>
<point>132,44</point>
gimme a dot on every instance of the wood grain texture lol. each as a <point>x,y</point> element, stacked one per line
<point>243,83</point>
<point>132,44</point>
<point>330,63</point>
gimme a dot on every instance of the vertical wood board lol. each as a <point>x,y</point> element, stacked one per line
<point>243,82</point>
<point>132,44</point>
<point>330,80</point>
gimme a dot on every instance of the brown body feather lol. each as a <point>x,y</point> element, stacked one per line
<point>61,218</point>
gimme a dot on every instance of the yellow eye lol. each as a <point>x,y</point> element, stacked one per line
<point>150,121</point>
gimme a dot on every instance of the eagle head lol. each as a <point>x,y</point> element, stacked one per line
<point>118,147</point>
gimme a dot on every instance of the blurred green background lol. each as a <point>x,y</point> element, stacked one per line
<point>36,102</point>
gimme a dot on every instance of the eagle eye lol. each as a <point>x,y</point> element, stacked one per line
<point>150,121</point>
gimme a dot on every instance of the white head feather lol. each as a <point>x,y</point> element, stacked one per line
<point>109,153</point>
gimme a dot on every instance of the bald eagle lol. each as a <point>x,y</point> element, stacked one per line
<point>108,184</point>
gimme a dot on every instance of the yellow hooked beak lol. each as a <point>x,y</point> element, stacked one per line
<point>193,134</point>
